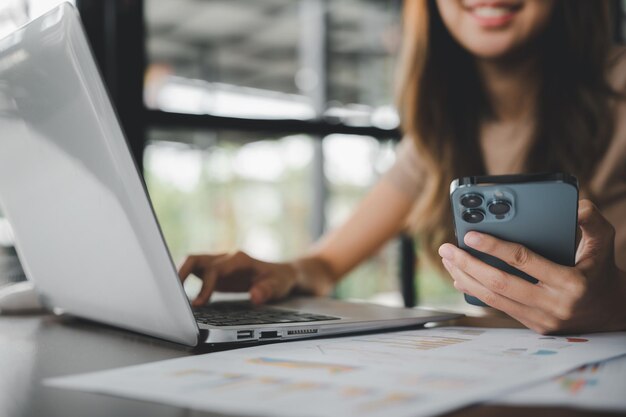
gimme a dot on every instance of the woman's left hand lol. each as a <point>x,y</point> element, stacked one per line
<point>590,296</point>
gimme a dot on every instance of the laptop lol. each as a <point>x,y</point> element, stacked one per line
<point>84,227</point>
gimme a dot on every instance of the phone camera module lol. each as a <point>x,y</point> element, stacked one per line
<point>499,208</point>
<point>473,216</point>
<point>471,201</point>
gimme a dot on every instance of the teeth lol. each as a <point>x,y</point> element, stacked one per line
<point>489,11</point>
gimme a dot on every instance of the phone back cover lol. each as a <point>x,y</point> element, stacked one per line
<point>544,221</point>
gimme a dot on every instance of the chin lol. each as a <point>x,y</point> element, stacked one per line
<point>492,54</point>
<point>493,49</point>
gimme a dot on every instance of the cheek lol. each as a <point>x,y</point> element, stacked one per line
<point>460,25</point>
<point>452,14</point>
<point>539,16</point>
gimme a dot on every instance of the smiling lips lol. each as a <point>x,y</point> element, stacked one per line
<point>492,14</point>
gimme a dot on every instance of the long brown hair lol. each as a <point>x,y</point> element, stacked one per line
<point>442,104</point>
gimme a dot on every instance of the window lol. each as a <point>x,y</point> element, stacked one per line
<point>218,191</point>
<point>247,59</point>
<point>264,63</point>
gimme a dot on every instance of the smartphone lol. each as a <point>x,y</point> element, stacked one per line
<point>539,211</point>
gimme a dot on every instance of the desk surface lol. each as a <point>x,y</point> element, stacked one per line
<point>36,347</point>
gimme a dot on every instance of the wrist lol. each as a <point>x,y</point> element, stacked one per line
<point>313,276</point>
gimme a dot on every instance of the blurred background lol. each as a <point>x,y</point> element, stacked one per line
<point>328,65</point>
<point>258,124</point>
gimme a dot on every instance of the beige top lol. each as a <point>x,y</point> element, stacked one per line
<point>502,151</point>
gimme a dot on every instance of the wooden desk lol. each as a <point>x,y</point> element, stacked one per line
<point>36,347</point>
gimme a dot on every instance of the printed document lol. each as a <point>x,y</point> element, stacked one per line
<point>407,373</point>
<point>598,386</point>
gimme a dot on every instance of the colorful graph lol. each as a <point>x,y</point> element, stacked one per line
<point>224,381</point>
<point>356,392</point>
<point>515,351</point>
<point>301,386</point>
<point>417,342</point>
<point>545,352</point>
<point>569,339</point>
<point>575,385</point>
<point>291,364</point>
<point>577,340</point>
<point>467,332</point>
<point>390,400</point>
<point>190,372</point>
<point>593,367</point>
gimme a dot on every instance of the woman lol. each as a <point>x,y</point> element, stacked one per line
<point>491,87</point>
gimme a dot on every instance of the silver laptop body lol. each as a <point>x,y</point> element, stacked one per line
<point>84,227</point>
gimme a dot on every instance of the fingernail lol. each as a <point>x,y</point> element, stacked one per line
<point>473,238</point>
<point>446,252</point>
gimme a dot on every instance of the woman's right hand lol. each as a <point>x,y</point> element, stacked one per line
<point>266,281</point>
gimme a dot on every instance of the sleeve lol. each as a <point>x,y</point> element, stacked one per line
<point>407,172</point>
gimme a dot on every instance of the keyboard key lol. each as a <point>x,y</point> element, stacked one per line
<point>244,313</point>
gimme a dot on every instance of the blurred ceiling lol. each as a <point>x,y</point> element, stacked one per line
<point>255,43</point>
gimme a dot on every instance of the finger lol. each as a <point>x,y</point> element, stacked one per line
<point>208,284</point>
<point>234,262</point>
<point>263,291</point>
<point>269,288</point>
<point>500,282</point>
<point>597,232</point>
<point>476,289</point>
<point>591,220</point>
<point>237,282</point>
<point>224,266</point>
<point>530,317</point>
<point>517,256</point>
<point>236,272</point>
<point>187,267</point>
<point>522,320</point>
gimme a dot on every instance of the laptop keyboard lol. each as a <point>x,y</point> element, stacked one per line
<point>229,313</point>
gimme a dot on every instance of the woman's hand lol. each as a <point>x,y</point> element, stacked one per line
<point>591,296</point>
<point>265,281</point>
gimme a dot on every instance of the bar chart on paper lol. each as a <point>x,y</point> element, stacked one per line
<point>408,373</point>
<point>596,386</point>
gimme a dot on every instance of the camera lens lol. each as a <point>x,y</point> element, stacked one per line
<point>499,207</point>
<point>471,200</point>
<point>473,216</point>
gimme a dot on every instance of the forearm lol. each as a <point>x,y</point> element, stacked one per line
<point>378,218</point>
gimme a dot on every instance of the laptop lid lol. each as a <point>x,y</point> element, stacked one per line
<point>84,228</point>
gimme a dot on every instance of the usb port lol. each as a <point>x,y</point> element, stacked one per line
<point>245,334</point>
<point>269,335</point>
